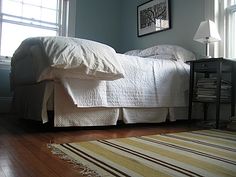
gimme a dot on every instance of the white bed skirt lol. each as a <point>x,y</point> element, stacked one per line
<point>33,102</point>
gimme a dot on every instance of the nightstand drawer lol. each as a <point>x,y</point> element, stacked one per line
<point>205,66</point>
<point>211,67</point>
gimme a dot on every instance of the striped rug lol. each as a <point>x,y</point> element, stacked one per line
<point>196,153</point>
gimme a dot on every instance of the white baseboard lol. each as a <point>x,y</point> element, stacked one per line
<point>5,104</point>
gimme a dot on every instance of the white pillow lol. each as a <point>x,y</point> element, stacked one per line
<point>162,57</point>
<point>133,52</point>
<point>178,52</point>
<point>149,51</point>
<point>90,59</point>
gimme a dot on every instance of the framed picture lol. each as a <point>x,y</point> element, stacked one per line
<point>153,16</point>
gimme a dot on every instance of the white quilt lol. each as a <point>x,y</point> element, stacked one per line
<point>147,83</point>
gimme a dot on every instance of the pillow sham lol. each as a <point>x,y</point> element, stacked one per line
<point>178,52</point>
<point>133,52</point>
<point>174,52</point>
<point>162,57</point>
<point>91,60</point>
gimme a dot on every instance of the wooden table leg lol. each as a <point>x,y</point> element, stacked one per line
<point>191,83</point>
<point>218,93</point>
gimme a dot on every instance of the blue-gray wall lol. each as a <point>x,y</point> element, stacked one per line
<point>114,22</point>
<point>99,20</point>
<point>5,85</point>
<point>5,94</point>
<point>186,16</point>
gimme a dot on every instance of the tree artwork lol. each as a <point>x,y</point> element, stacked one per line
<point>152,14</point>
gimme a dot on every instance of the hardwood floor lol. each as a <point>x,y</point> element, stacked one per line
<point>24,152</point>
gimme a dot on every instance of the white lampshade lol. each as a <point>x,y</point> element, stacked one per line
<point>207,32</point>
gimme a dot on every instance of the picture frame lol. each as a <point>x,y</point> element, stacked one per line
<point>153,16</point>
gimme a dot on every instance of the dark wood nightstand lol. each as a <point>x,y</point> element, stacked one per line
<point>212,88</point>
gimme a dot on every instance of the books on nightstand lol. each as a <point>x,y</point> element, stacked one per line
<point>206,89</point>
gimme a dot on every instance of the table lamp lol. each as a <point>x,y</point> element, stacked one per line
<point>207,33</point>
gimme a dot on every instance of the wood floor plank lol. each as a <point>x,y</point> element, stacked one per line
<point>43,153</point>
<point>26,158</point>
<point>24,151</point>
<point>2,174</point>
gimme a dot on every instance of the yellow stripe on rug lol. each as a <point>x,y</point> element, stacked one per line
<point>196,153</point>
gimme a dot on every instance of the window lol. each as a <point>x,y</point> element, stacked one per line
<point>20,19</point>
<point>231,29</point>
<point>223,12</point>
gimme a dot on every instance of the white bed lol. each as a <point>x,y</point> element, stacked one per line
<point>99,86</point>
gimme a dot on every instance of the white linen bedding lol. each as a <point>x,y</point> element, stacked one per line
<point>54,57</point>
<point>147,83</point>
<point>173,52</point>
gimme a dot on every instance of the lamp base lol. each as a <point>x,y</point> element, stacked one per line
<point>207,57</point>
<point>207,48</point>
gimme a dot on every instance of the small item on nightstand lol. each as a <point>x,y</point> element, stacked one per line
<point>206,89</point>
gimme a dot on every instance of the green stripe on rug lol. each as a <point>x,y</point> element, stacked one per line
<point>196,153</point>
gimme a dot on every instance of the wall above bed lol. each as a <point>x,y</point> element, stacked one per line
<point>114,22</point>
<point>99,20</point>
<point>185,18</point>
